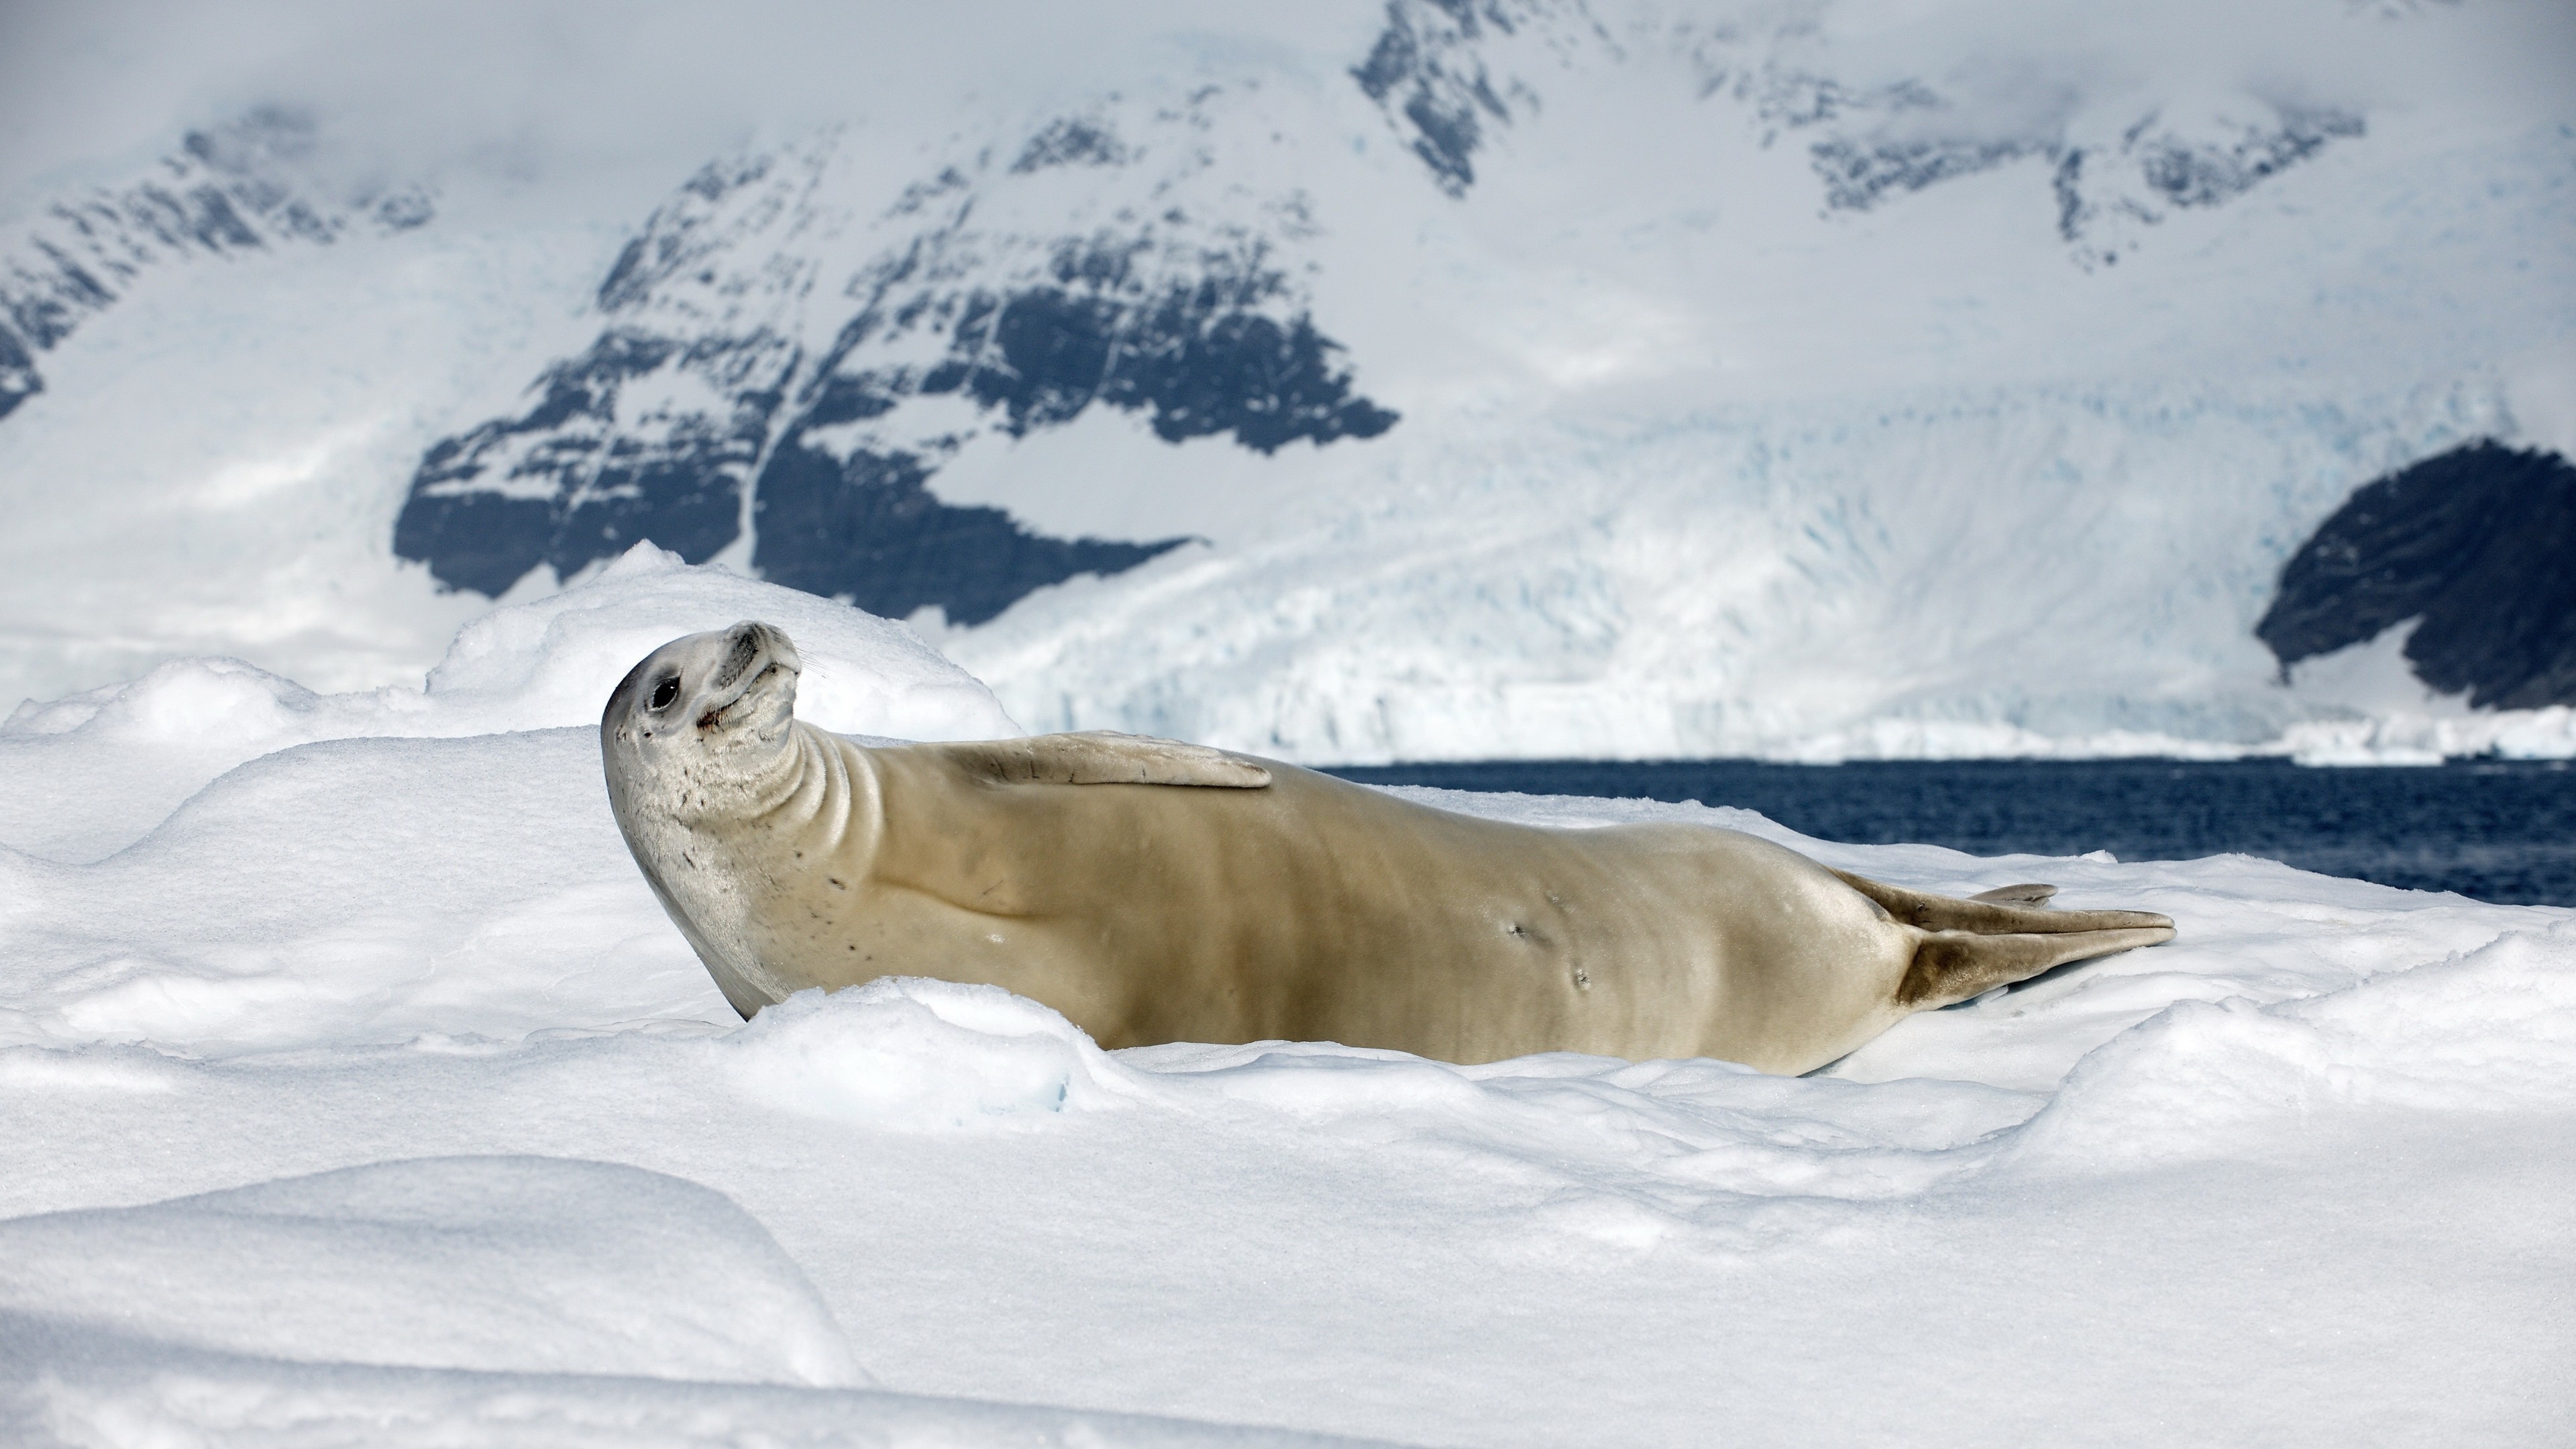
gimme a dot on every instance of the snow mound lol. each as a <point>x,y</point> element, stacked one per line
<point>2486,1031</point>
<point>554,661</point>
<point>519,1264</point>
<point>89,1388</point>
<point>910,1053</point>
<point>85,775</point>
<point>355,890</point>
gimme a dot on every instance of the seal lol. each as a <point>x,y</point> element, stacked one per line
<point>1153,891</point>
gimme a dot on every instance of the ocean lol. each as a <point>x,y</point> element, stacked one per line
<point>2492,830</point>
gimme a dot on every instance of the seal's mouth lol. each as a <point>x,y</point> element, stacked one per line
<point>759,662</point>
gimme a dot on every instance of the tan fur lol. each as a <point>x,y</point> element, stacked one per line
<point>1226,899</point>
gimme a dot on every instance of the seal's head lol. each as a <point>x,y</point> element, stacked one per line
<point>701,719</point>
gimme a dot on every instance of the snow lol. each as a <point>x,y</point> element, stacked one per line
<point>369,1095</point>
<point>505,1264</point>
<point>87,774</point>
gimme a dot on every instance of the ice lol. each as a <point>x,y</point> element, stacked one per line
<point>370,1095</point>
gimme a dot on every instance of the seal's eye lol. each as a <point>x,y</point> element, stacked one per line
<point>666,689</point>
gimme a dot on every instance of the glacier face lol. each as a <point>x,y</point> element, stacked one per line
<point>1497,377</point>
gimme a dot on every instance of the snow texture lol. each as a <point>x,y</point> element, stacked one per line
<point>369,1096</point>
<point>508,1264</point>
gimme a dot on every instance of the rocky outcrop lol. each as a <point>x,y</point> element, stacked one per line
<point>2474,545</point>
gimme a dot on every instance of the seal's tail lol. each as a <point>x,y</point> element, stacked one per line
<point>1999,936</point>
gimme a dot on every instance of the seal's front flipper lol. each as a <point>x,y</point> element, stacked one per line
<point>1105,757</point>
<point>1951,966</point>
<point>2030,897</point>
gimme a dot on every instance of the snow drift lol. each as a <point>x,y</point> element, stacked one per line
<point>369,1094</point>
<point>514,1264</point>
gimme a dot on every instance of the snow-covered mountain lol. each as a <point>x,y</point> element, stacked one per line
<point>1477,377</point>
<point>226,189</point>
<point>992,296</point>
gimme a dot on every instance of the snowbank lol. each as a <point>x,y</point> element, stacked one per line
<point>370,1094</point>
<point>86,775</point>
<point>513,1264</point>
<point>88,1387</point>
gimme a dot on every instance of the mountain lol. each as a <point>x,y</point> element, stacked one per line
<point>226,189</point>
<point>979,301</point>
<point>1463,377</point>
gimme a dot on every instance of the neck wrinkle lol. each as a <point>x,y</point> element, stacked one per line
<point>824,791</point>
<point>788,775</point>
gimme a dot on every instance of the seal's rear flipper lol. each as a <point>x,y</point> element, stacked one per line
<point>1997,912</point>
<point>1951,966</point>
<point>1105,757</point>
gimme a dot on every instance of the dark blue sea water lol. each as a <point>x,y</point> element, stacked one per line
<point>2494,830</point>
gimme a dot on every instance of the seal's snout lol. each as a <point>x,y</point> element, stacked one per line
<point>753,680</point>
<point>749,644</point>
<point>742,647</point>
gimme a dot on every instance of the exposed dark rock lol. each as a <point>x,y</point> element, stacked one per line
<point>18,379</point>
<point>1071,142</point>
<point>680,235</point>
<point>1193,327</point>
<point>865,526</point>
<point>866,529</point>
<point>2106,192</point>
<point>1889,141</point>
<point>1192,360</point>
<point>1858,175</point>
<point>574,487</point>
<point>2475,543</point>
<point>2068,184</point>
<point>1424,72</point>
<point>2207,173</point>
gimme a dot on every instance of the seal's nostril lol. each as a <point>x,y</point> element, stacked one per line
<point>744,640</point>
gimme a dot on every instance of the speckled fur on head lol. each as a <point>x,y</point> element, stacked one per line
<point>701,716</point>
